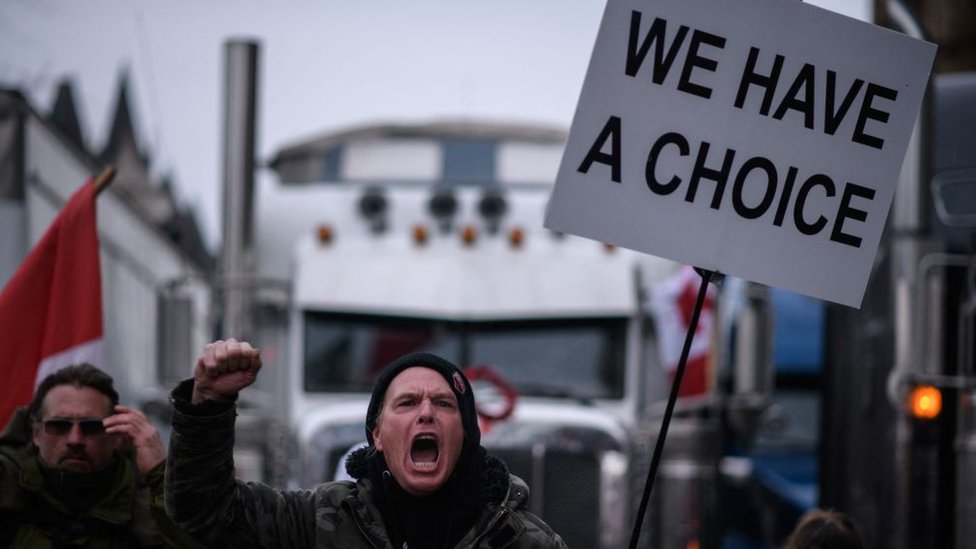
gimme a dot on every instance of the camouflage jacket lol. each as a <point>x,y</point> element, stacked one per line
<point>130,514</point>
<point>205,499</point>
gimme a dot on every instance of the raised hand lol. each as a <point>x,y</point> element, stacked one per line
<point>223,369</point>
<point>138,432</point>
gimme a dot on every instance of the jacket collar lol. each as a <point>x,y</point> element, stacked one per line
<point>114,507</point>
<point>498,523</point>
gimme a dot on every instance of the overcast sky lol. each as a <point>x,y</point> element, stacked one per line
<point>323,65</point>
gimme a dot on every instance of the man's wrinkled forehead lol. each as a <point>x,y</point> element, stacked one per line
<point>417,380</point>
<point>75,401</point>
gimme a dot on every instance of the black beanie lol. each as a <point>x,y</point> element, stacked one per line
<point>455,380</point>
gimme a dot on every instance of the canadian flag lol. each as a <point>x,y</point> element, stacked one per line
<point>673,302</point>
<point>51,309</point>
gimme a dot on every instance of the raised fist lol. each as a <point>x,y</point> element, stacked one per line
<point>223,369</point>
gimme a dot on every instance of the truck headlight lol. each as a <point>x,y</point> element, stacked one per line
<point>614,499</point>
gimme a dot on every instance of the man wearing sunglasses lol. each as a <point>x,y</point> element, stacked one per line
<point>78,469</point>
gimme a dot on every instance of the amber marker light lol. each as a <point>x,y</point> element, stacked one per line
<point>925,402</point>
<point>468,235</point>
<point>325,233</point>
<point>516,237</point>
<point>419,234</point>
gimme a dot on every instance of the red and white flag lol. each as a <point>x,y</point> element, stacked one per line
<point>673,302</point>
<point>51,309</point>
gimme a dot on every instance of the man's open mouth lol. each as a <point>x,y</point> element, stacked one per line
<point>424,451</point>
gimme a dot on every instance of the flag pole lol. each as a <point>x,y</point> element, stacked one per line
<point>104,179</point>
<point>706,277</point>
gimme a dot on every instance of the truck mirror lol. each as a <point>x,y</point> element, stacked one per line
<point>954,197</point>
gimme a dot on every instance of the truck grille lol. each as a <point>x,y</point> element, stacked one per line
<point>564,489</point>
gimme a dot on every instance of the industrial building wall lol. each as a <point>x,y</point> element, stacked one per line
<point>139,268</point>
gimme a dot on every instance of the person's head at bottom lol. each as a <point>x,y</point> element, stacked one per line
<point>824,529</point>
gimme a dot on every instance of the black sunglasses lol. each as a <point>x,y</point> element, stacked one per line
<point>61,427</point>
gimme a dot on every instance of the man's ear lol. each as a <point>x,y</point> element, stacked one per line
<point>35,431</point>
<point>377,441</point>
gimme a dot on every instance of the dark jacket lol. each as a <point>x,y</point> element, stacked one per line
<point>205,499</point>
<point>130,513</point>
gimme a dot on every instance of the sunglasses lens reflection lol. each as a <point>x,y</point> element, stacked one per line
<point>61,427</point>
<point>92,427</point>
<point>57,427</point>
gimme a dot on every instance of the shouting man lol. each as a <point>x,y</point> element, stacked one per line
<point>423,482</point>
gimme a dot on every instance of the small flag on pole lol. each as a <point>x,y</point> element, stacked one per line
<point>673,301</point>
<point>51,309</point>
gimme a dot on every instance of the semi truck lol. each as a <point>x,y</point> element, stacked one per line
<point>440,247</point>
<point>872,409</point>
<point>885,395</point>
<point>898,448</point>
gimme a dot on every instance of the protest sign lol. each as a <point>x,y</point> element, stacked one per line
<point>757,138</point>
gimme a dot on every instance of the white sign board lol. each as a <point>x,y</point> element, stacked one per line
<point>758,138</point>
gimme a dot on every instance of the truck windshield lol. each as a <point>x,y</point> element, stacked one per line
<point>577,358</point>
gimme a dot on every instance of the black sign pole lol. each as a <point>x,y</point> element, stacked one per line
<point>672,398</point>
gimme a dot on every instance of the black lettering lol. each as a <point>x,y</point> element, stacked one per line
<point>653,184</point>
<point>804,80</point>
<point>738,203</point>
<point>720,177</point>
<point>845,211</point>
<point>833,118</point>
<point>662,61</point>
<point>784,200</point>
<point>611,131</point>
<point>867,111</point>
<point>811,229</point>
<point>696,61</point>
<point>750,77</point>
